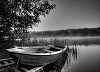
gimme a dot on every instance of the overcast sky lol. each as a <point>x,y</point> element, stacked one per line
<point>70,14</point>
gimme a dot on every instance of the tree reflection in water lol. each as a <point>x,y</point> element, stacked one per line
<point>57,66</point>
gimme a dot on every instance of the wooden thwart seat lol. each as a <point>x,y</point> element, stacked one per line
<point>5,59</point>
<point>6,62</point>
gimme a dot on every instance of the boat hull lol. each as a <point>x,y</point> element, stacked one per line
<point>36,60</point>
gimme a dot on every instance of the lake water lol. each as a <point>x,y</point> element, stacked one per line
<point>88,60</point>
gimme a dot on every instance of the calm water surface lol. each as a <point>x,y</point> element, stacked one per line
<point>88,60</point>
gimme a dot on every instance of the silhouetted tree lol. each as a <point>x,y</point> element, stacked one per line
<point>16,16</point>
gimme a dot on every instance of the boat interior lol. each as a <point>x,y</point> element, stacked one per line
<point>36,49</point>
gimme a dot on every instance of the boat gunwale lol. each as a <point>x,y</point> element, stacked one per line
<point>40,54</point>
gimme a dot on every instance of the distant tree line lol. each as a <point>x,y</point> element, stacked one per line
<point>68,32</point>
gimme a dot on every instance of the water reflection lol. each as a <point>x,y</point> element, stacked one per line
<point>88,60</point>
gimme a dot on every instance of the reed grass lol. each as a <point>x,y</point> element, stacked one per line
<point>57,41</point>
